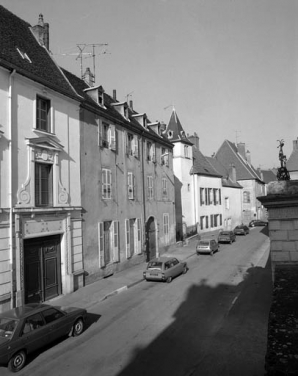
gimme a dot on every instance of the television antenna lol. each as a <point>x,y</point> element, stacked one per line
<point>92,54</point>
<point>236,132</point>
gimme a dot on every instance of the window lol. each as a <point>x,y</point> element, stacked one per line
<point>211,220</point>
<point>207,221</point>
<point>166,228</point>
<point>186,151</point>
<point>106,177</point>
<point>209,196</point>
<point>215,196</point>
<point>129,144</point>
<point>43,119</point>
<point>206,196</point>
<point>219,196</point>
<point>220,219</point>
<point>150,151</point>
<point>107,136</point>
<point>32,323</point>
<point>130,185</point>
<point>227,203</point>
<point>43,184</point>
<point>201,196</point>
<point>246,197</point>
<point>164,159</point>
<point>164,188</point>
<point>201,222</point>
<point>150,187</point>
<point>133,236</point>
<point>51,315</point>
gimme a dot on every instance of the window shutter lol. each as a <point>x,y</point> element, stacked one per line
<point>109,183</point>
<point>101,245</point>
<point>103,183</point>
<point>136,146</point>
<point>112,139</point>
<point>130,186</point>
<point>116,240</point>
<point>127,236</point>
<point>100,134</point>
<point>139,235</point>
<point>153,152</point>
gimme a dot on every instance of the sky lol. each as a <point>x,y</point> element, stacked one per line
<point>228,67</point>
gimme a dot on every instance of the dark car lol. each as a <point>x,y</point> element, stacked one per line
<point>226,237</point>
<point>164,269</point>
<point>241,230</point>
<point>28,328</point>
<point>257,222</point>
<point>207,246</point>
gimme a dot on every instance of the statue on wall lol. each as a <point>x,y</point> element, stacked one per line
<point>282,172</point>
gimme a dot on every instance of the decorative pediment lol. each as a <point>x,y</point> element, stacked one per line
<point>44,143</point>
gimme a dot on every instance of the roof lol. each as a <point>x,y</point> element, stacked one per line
<point>23,311</point>
<point>201,166</point>
<point>175,131</point>
<point>16,34</point>
<point>292,163</point>
<point>268,176</point>
<point>226,179</point>
<point>228,155</point>
<point>108,109</point>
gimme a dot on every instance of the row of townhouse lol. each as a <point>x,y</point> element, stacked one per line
<point>87,183</point>
<point>212,193</point>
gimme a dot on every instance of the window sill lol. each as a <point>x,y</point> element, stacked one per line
<point>43,132</point>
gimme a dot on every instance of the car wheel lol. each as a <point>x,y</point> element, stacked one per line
<point>184,270</point>
<point>231,241</point>
<point>211,253</point>
<point>17,361</point>
<point>78,327</point>
<point>169,279</point>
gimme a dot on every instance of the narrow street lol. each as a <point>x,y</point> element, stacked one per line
<point>211,321</point>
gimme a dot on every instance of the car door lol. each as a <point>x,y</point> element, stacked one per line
<point>34,334</point>
<point>57,322</point>
<point>176,267</point>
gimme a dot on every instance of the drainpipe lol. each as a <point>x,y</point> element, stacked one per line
<point>144,197</point>
<point>195,201</point>
<point>10,106</point>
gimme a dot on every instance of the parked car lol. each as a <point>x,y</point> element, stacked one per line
<point>226,237</point>
<point>28,328</point>
<point>164,269</point>
<point>241,230</point>
<point>257,222</point>
<point>207,246</point>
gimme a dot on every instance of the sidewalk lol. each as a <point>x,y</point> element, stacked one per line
<point>90,295</point>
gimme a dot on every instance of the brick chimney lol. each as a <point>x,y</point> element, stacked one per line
<point>248,158</point>
<point>195,139</point>
<point>295,145</point>
<point>41,32</point>
<point>241,150</point>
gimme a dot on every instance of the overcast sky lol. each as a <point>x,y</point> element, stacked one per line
<point>228,66</point>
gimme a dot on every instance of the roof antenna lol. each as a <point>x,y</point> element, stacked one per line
<point>236,132</point>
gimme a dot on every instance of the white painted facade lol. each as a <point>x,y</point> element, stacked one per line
<point>21,147</point>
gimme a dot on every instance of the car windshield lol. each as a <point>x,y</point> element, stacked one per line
<point>155,265</point>
<point>224,233</point>
<point>204,242</point>
<point>7,327</point>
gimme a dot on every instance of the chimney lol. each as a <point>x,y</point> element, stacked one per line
<point>241,150</point>
<point>114,95</point>
<point>88,77</point>
<point>295,145</point>
<point>248,157</point>
<point>232,173</point>
<point>195,140</point>
<point>41,32</point>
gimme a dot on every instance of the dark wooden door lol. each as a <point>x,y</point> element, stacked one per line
<point>150,239</point>
<point>42,262</point>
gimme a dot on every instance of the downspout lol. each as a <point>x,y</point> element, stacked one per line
<point>144,199</point>
<point>194,198</point>
<point>10,186</point>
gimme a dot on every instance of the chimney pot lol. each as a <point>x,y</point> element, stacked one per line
<point>114,95</point>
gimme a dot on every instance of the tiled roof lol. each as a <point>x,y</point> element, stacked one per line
<point>228,154</point>
<point>175,131</point>
<point>15,33</point>
<point>226,179</point>
<point>108,110</point>
<point>292,163</point>
<point>268,176</point>
<point>201,166</point>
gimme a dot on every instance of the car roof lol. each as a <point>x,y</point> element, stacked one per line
<point>24,311</point>
<point>162,259</point>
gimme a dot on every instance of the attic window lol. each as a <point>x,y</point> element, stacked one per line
<point>170,134</point>
<point>24,55</point>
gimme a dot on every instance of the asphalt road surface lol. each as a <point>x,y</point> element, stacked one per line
<point>210,321</point>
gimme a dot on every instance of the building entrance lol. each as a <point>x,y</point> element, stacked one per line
<point>42,268</point>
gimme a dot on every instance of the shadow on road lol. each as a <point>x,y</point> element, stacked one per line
<point>218,330</point>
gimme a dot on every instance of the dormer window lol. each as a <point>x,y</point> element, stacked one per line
<point>170,134</point>
<point>122,109</point>
<point>97,94</point>
<point>141,119</point>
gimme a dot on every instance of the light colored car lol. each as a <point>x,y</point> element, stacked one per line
<point>241,230</point>
<point>28,328</point>
<point>164,269</point>
<point>226,237</point>
<point>207,246</point>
